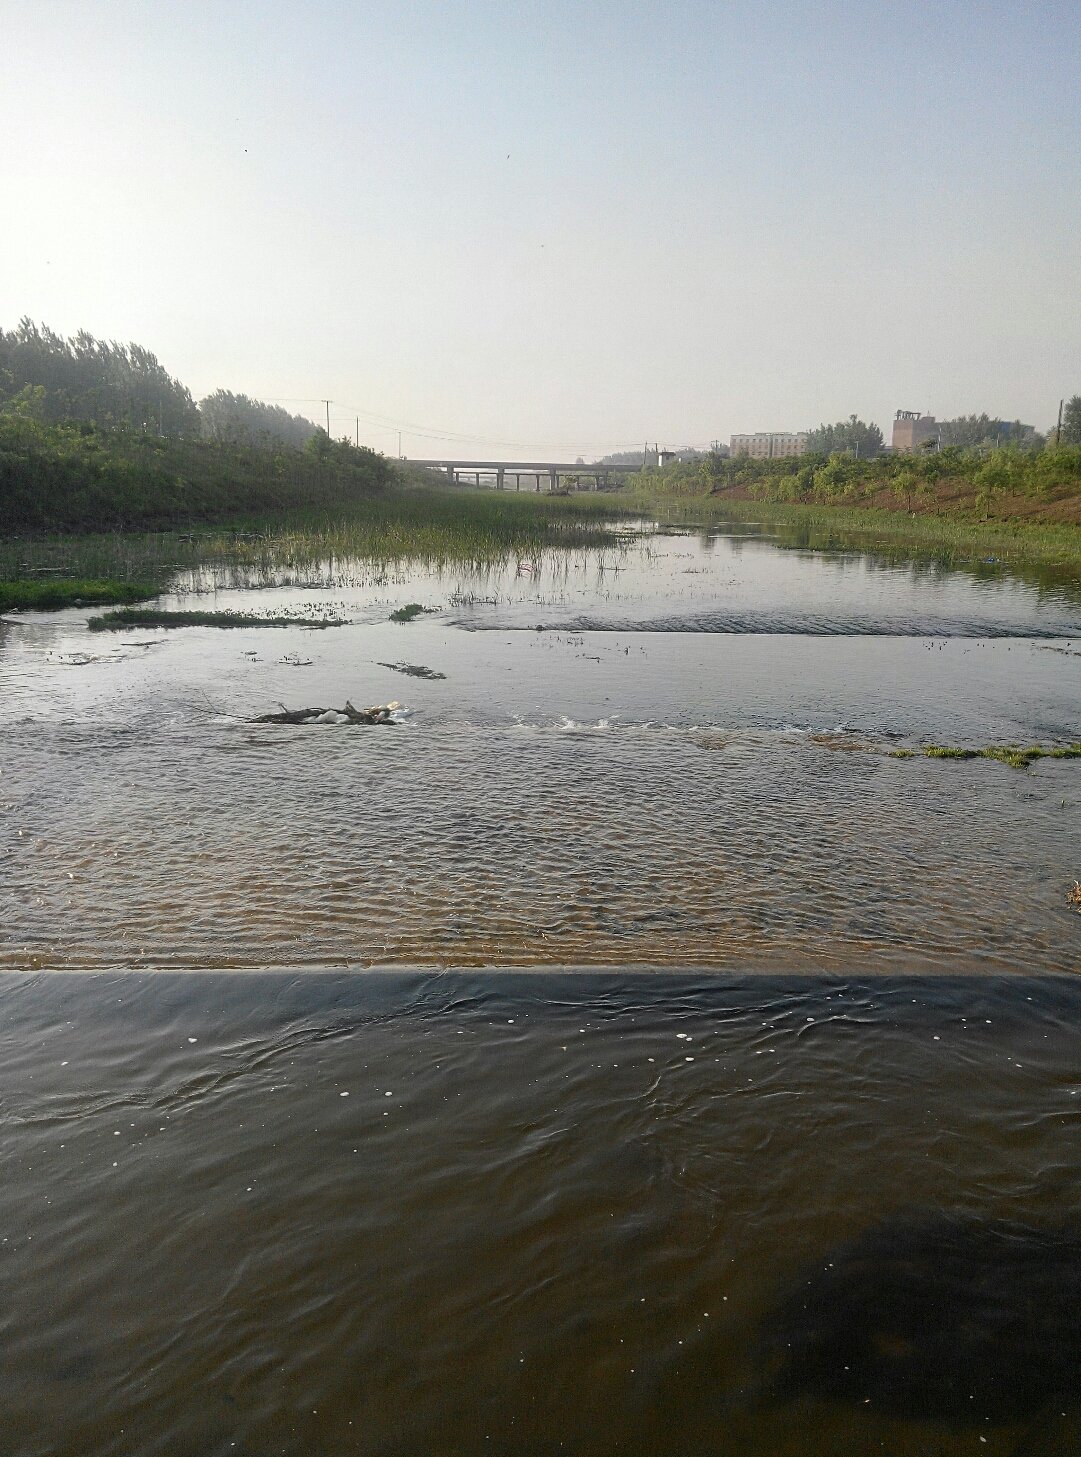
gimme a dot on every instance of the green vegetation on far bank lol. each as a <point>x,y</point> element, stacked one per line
<point>1007,506</point>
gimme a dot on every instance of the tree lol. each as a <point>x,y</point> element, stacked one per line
<point>1071,422</point>
<point>850,435</point>
<point>239,419</point>
<point>92,380</point>
<point>970,430</point>
<point>319,444</point>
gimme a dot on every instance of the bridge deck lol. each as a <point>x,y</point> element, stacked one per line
<point>527,467</point>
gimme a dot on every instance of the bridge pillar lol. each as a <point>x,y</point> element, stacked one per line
<point>452,479</point>
<point>499,479</point>
<point>553,478</point>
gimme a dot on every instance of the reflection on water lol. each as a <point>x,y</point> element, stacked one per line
<point>716,581</point>
<point>394,1214</point>
<point>741,1212</point>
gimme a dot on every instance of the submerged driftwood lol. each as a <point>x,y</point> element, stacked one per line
<point>381,713</point>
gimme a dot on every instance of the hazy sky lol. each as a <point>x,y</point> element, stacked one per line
<point>557,227</point>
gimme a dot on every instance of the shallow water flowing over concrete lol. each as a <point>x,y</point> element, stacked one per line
<point>632,1054</point>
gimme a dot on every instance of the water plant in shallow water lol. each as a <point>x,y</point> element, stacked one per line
<point>1017,756</point>
<point>149,617</point>
<point>409,611</point>
<point>49,596</point>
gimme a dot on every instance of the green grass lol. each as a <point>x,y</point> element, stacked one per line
<point>432,525</point>
<point>953,540</point>
<point>150,617</point>
<point>77,592</point>
<point>1015,755</point>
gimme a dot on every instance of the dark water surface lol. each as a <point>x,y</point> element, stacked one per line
<point>538,1213</point>
<point>623,1052</point>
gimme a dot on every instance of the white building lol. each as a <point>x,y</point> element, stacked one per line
<point>768,445</point>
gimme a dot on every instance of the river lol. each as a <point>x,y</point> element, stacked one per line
<point>640,1046</point>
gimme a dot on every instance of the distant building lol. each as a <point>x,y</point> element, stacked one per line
<point>766,445</point>
<point>911,430</point>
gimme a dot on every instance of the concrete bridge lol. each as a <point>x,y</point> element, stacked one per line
<point>498,472</point>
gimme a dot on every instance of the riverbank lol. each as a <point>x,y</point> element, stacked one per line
<point>1010,504</point>
<point>955,539</point>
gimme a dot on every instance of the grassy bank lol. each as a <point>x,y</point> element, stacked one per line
<point>950,516</point>
<point>76,477</point>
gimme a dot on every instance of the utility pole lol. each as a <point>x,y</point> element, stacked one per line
<point>1058,428</point>
<point>399,445</point>
<point>358,432</point>
<point>327,403</point>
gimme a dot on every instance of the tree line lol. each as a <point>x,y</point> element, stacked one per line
<point>55,380</point>
<point>96,435</point>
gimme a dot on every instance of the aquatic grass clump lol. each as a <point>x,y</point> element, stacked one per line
<point>41,596</point>
<point>1017,756</point>
<point>1073,897</point>
<point>149,617</point>
<point>409,612</point>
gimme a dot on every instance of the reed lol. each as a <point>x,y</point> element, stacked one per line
<point>434,526</point>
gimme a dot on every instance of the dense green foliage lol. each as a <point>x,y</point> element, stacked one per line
<point>240,420</point>
<point>1071,422</point>
<point>968,431</point>
<point>99,436</point>
<point>47,378</point>
<point>914,481</point>
<point>853,435</point>
<point>76,477</point>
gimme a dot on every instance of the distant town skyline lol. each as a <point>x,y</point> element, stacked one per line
<point>557,228</point>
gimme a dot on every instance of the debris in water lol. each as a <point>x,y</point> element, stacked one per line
<point>379,714</point>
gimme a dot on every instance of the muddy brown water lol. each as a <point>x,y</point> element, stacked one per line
<point>622,1053</point>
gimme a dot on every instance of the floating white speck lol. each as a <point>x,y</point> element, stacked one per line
<point>343,1095</point>
<point>388,1095</point>
<point>193,1039</point>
